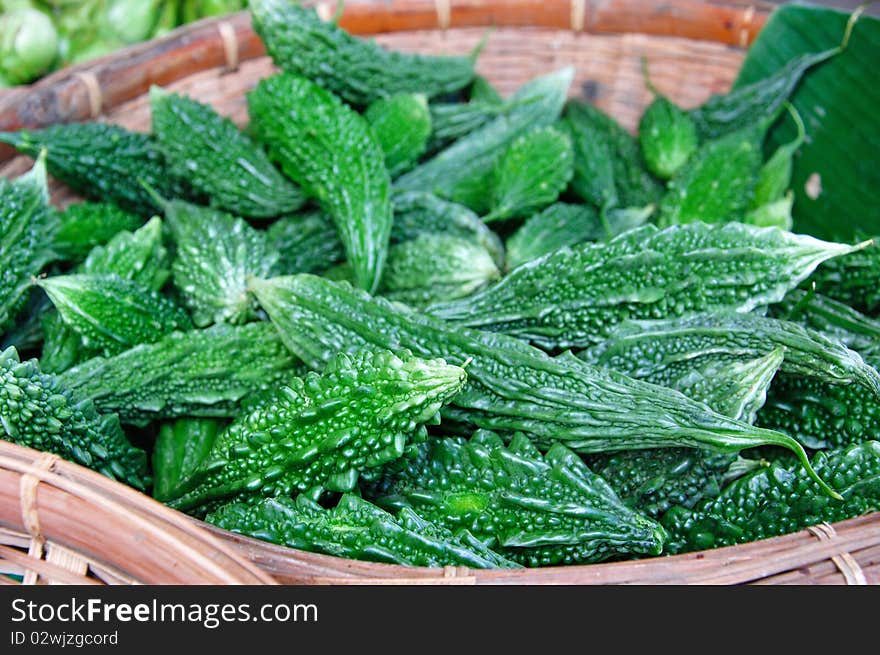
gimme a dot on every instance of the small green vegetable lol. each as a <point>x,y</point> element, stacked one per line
<point>321,431</point>
<point>40,411</point>
<point>331,152</point>
<point>28,45</point>
<point>537,510</point>
<point>774,501</point>
<point>402,125</point>
<point>531,174</point>
<point>357,70</point>
<point>355,528</point>
<point>196,373</point>
<point>667,135</point>
<point>219,160</point>
<point>436,267</point>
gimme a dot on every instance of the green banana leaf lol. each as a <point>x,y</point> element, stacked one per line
<point>836,175</point>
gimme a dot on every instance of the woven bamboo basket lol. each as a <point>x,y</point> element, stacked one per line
<point>695,49</point>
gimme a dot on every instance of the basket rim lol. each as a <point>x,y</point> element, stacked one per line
<point>84,91</point>
<point>54,486</point>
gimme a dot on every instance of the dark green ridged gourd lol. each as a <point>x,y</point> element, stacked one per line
<point>330,150</point>
<point>322,431</point>
<point>219,160</point>
<point>26,229</point>
<point>104,162</point>
<point>574,297</point>
<point>356,529</point>
<point>41,411</point>
<point>194,373</point>
<point>536,509</point>
<point>84,225</point>
<point>357,70</point>
<point>511,386</point>
<point>775,501</point>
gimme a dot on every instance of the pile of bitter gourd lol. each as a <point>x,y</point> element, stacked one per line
<point>404,319</point>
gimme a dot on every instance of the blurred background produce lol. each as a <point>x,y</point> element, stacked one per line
<point>39,36</point>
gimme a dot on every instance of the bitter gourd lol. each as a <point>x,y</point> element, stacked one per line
<point>717,184</point>
<point>139,256</point>
<point>536,510</point>
<point>853,279</point>
<point>451,121</point>
<point>104,162</point>
<point>196,373</point>
<point>573,297</point>
<point>665,351</point>
<point>651,481</point>
<point>608,166</point>
<point>356,529</point>
<point>775,501</point>
<point>305,243</point>
<point>40,411</point>
<point>331,152</point>
<point>26,229</point>
<point>402,125</point>
<point>216,252</point>
<point>668,137</point>
<point>84,225</point>
<point>559,225</point>
<point>181,446</point>
<point>112,314</point>
<point>436,267</point>
<point>362,412</point>
<point>417,213</point>
<point>219,160</point>
<point>833,318</point>
<point>530,174</point>
<point>463,171</point>
<point>357,70</point>
<point>511,386</point>
<point>755,103</point>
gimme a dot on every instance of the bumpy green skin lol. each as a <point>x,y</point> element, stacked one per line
<point>305,243</point>
<point>402,125</point>
<point>608,166</point>
<point>181,446</point>
<point>665,351</point>
<point>668,137</point>
<point>531,174</point>
<point>357,70</point>
<point>775,501</point>
<point>362,412</point>
<point>853,279</point>
<point>417,213</point>
<point>463,171</point>
<point>652,481</point>
<point>718,182</point>
<point>112,314</point>
<point>219,160</point>
<point>757,102</point>
<point>26,229</point>
<point>574,297</point>
<point>216,252</point>
<point>329,149</point>
<point>511,386</point>
<point>356,529</point>
<point>139,256</point>
<point>40,411</point>
<point>197,373</point>
<point>835,319</point>
<point>436,267</point>
<point>820,414</point>
<point>559,225</point>
<point>88,224</point>
<point>453,120</point>
<point>103,161</point>
<point>536,510</point>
